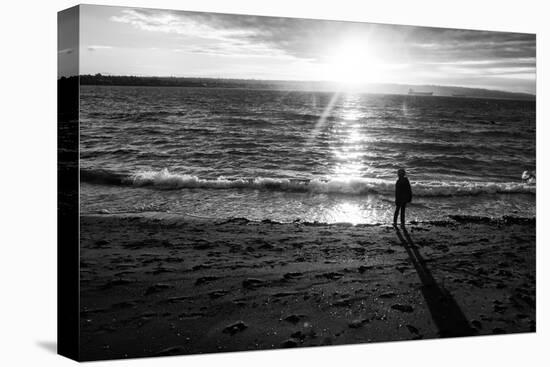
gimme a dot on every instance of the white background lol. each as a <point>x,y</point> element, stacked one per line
<point>28,182</point>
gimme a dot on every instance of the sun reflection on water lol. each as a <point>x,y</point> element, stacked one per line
<point>349,149</point>
<point>369,210</point>
<point>346,212</point>
<point>348,141</point>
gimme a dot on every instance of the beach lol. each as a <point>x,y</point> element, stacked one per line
<point>221,219</point>
<point>164,284</point>
<point>241,196</point>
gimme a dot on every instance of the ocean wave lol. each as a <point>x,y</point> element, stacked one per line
<point>166,180</point>
<point>529,177</point>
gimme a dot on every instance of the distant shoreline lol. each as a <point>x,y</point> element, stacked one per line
<point>320,86</point>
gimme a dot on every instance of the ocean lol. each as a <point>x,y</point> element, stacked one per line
<point>303,156</point>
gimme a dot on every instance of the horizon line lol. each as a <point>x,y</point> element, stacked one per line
<point>347,85</point>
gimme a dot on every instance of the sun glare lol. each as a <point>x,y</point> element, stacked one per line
<point>349,151</point>
<point>347,212</point>
<point>353,62</point>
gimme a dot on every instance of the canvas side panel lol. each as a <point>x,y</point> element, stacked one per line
<point>67,183</point>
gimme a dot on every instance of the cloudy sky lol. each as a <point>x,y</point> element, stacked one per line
<point>128,41</point>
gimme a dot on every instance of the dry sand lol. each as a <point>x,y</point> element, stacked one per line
<point>163,285</point>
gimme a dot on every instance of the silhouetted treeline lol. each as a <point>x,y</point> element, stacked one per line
<point>154,81</point>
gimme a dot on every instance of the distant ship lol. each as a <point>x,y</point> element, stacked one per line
<point>412,92</point>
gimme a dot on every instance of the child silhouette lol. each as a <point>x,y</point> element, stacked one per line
<point>403,195</point>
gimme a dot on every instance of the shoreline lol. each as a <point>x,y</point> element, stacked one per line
<point>452,219</point>
<point>166,285</point>
<point>288,207</point>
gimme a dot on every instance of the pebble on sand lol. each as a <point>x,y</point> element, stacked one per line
<point>403,308</point>
<point>289,343</point>
<point>252,283</point>
<point>235,328</point>
<point>292,319</point>
<point>355,324</point>
<point>298,335</point>
<point>206,279</point>
<point>157,288</point>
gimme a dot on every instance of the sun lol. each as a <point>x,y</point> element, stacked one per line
<point>353,61</point>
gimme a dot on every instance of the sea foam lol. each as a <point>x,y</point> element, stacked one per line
<point>166,180</point>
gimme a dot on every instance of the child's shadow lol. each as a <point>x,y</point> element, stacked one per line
<point>445,312</point>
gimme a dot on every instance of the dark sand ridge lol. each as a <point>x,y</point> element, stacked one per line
<point>163,285</point>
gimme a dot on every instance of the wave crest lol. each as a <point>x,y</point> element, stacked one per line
<point>167,180</point>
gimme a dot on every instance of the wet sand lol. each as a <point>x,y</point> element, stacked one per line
<point>163,285</point>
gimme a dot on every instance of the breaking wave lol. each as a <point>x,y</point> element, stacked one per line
<point>165,180</point>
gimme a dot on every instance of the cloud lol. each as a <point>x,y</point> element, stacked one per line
<point>460,45</point>
<point>412,51</point>
<point>223,33</point>
<point>219,35</point>
<point>504,67</point>
<point>98,47</point>
<point>316,39</point>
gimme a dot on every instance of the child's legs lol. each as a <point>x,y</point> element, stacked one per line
<point>396,214</point>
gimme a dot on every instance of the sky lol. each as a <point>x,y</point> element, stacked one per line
<point>67,42</point>
<point>148,42</point>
